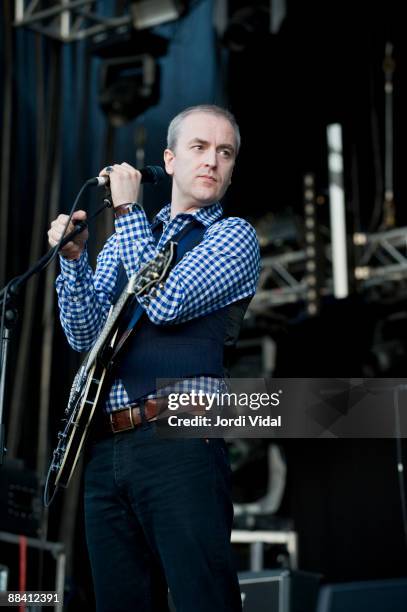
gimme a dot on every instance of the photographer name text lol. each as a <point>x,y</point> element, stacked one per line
<point>239,421</point>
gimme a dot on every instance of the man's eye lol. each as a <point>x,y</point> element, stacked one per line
<point>197,147</point>
<point>226,153</point>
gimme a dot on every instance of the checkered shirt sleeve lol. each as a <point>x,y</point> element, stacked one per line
<point>84,298</point>
<point>220,270</point>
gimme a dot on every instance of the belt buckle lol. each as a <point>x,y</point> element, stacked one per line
<point>132,426</point>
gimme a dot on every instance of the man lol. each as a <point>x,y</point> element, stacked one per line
<point>158,512</point>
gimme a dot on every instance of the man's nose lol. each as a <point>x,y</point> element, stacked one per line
<point>210,157</point>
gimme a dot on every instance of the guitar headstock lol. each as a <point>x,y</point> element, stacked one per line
<point>153,272</point>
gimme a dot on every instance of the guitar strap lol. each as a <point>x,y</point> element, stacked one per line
<point>139,310</point>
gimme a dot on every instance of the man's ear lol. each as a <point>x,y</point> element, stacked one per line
<point>169,161</point>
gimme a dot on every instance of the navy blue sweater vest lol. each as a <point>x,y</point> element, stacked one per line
<point>181,350</point>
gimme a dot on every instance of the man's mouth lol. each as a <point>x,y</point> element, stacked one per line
<point>206,176</point>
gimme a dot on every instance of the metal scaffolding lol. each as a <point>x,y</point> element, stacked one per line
<point>379,258</point>
<point>69,20</point>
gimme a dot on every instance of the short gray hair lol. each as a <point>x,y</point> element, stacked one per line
<point>175,125</point>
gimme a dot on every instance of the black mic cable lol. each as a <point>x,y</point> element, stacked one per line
<point>150,174</point>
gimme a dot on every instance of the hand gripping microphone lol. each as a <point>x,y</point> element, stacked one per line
<point>149,174</point>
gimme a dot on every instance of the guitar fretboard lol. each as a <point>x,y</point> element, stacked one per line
<point>110,322</point>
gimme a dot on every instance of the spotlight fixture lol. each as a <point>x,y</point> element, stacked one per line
<point>150,13</point>
<point>337,211</point>
<point>246,26</point>
<point>128,86</point>
<point>312,247</point>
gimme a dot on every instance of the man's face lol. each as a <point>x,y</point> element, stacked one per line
<point>203,160</point>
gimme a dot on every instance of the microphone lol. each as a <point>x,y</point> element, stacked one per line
<point>149,174</point>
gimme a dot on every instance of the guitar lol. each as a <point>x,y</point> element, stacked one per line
<point>87,385</point>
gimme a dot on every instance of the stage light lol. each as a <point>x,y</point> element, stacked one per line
<point>246,25</point>
<point>359,239</point>
<point>337,211</point>
<point>128,86</point>
<point>313,246</point>
<point>150,13</point>
<point>362,272</point>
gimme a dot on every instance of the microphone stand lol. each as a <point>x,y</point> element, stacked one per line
<point>8,306</point>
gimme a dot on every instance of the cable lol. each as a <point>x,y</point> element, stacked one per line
<point>3,325</point>
<point>400,463</point>
<point>57,246</point>
<point>42,263</point>
<point>12,288</point>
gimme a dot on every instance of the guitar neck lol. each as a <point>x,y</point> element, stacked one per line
<point>109,325</point>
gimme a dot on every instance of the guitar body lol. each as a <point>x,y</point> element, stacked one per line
<point>87,386</point>
<point>72,439</point>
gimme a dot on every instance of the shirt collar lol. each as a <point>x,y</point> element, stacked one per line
<point>205,215</point>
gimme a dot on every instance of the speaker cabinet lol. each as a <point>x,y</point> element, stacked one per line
<point>279,591</point>
<point>368,596</point>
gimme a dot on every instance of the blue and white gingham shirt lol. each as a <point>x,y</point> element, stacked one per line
<point>220,270</point>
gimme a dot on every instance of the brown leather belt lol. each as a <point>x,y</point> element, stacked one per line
<point>129,417</point>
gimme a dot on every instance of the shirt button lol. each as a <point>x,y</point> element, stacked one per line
<point>119,230</point>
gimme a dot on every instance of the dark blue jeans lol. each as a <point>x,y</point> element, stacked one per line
<point>158,512</point>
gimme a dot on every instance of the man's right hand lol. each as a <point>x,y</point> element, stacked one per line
<point>74,248</point>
